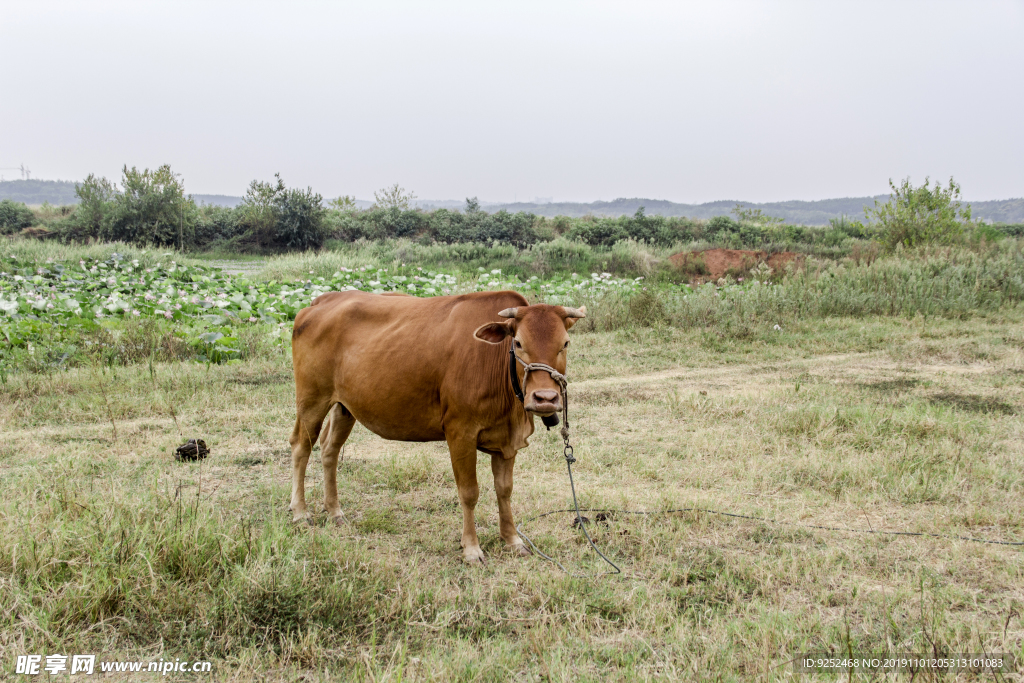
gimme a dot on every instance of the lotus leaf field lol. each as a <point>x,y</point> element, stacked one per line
<point>44,303</point>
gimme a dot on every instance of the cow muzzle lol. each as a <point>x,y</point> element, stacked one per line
<point>544,402</point>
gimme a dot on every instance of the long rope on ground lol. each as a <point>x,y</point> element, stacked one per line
<point>579,520</point>
<point>617,570</point>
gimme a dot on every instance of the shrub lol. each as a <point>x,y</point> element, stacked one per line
<point>394,197</point>
<point>640,226</point>
<point>752,234</point>
<point>94,199</point>
<point>986,233</point>
<point>598,232</point>
<point>561,225</point>
<point>509,228</point>
<point>345,225</point>
<point>722,224</point>
<point>258,212</point>
<point>1008,229</point>
<point>563,254</point>
<point>343,204</point>
<point>151,209</point>
<point>916,216</point>
<point>448,226</point>
<point>792,234</point>
<point>725,231</point>
<point>300,220</point>
<point>14,217</point>
<point>216,224</point>
<point>272,216</point>
<point>394,222</point>
<point>631,256</point>
<point>850,228</point>
<point>754,216</point>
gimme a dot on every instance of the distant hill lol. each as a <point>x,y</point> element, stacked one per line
<point>39,191</point>
<point>798,212</point>
<point>1000,211</point>
<point>217,200</point>
<point>63,192</point>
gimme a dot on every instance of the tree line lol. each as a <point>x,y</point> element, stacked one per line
<point>150,207</point>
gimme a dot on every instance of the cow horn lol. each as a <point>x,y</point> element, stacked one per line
<point>575,312</point>
<point>509,313</point>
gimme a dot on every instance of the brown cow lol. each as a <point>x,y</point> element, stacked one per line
<point>431,369</point>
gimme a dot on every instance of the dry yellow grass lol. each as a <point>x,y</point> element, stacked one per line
<point>108,545</point>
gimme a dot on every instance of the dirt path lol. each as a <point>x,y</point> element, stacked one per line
<point>749,379</point>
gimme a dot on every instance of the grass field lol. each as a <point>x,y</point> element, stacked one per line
<point>108,545</point>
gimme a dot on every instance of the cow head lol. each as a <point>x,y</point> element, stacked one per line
<point>539,334</point>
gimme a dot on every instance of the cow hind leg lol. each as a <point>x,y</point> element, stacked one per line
<point>464,467</point>
<point>304,435</point>
<point>332,438</point>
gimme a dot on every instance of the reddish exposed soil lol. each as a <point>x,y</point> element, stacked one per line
<point>717,263</point>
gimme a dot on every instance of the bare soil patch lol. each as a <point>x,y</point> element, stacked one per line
<point>712,264</point>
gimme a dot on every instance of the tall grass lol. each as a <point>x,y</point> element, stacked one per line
<point>559,256</point>
<point>951,283</point>
<point>184,573</point>
<point>50,250</point>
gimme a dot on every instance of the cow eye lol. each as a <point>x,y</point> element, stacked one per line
<point>566,345</point>
<point>518,345</point>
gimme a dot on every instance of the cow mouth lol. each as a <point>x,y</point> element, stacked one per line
<point>544,409</point>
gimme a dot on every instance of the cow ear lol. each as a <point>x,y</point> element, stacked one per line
<point>572,315</point>
<point>494,333</point>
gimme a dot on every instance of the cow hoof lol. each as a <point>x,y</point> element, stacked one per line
<point>305,518</point>
<point>474,559</point>
<point>338,521</point>
<point>521,550</point>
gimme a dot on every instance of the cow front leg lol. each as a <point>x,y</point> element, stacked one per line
<point>502,469</point>
<point>331,441</point>
<point>464,466</point>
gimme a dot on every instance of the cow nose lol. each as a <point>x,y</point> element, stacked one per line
<point>545,396</point>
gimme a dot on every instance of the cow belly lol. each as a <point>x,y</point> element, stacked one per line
<point>396,415</point>
<point>386,427</point>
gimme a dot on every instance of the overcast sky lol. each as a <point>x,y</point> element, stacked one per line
<point>692,102</point>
